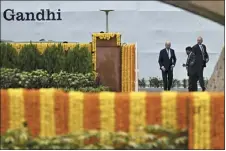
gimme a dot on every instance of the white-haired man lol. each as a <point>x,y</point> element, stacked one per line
<point>201,57</point>
<point>167,61</point>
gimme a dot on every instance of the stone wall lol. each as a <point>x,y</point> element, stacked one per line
<point>216,82</point>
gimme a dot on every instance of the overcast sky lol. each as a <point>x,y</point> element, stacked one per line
<point>147,23</point>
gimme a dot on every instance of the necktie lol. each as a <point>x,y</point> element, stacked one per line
<point>202,52</point>
<point>168,52</point>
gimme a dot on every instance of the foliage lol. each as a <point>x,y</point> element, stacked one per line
<point>78,60</point>
<point>154,137</point>
<point>8,56</point>
<point>53,60</point>
<point>14,78</point>
<point>142,83</point>
<point>29,58</point>
<point>155,82</point>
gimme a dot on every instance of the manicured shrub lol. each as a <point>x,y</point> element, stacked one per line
<point>9,56</point>
<point>53,59</point>
<point>10,78</point>
<point>14,78</point>
<point>29,58</point>
<point>78,59</point>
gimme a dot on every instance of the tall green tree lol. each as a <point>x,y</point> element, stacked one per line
<point>54,59</point>
<point>9,56</point>
<point>29,58</point>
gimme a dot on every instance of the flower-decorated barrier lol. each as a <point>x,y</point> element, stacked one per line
<point>50,112</point>
<point>128,67</point>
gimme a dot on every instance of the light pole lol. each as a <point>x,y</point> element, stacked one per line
<point>107,12</point>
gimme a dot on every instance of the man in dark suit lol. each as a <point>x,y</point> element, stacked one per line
<point>191,72</point>
<point>167,61</point>
<point>201,57</point>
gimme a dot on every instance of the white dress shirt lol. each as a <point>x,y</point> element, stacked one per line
<point>201,47</point>
<point>168,52</point>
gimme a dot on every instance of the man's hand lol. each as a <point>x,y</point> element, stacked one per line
<point>172,67</point>
<point>163,68</point>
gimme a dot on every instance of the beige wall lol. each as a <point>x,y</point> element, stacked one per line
<point>213,10</point>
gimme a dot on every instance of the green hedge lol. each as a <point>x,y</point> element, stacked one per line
<point>53,60</point>
<point>14,78</point>
<point>8,56</point>
<point>155,137</point>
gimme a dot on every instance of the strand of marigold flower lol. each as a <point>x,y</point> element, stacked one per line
<point>107,116</point>
<point>16,108</point>
<point>122,112</point>
<point>32,110</point>
<point>191,113</point>
<point>201,122</point>
<point>182,110</point>
<point>217,121</point>
<point>94,50</point>
<point>207,120</point>
<point>61,112</point>
<point>169,116</point>
<point>47,113</point>
<point>153,109</point>
<point>196,120</point>
<point>91,115</point>
<point>123,69</point>
<point>137,114</point>
<point>126,69</point>
<point>204,121</point>
<point>133,67</point>
<point>76,109</point>
<point>129,68</point>
<point>5,112</point>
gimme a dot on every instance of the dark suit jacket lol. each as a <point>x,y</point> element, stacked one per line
<point>190,64</point>
<point>198,53</point>
<point>165,61</point>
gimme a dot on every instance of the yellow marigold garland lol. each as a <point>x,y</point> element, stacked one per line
<point>133,67</point>
<point>137,114</point>
<point>202,120</point>
<point>76,107</point>
<point>126,70</point>
<point>169,116</point>
<point>123,69</point>
<point>129,67</point>
<point>16,108</point>
<point>47,113</point>
<point>107,116</point>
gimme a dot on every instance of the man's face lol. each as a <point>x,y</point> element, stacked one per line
<point>188,51</point>
<point>199,40</point>
<point>167,45</point>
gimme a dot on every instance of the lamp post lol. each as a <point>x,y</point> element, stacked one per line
<point>107,12</point>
